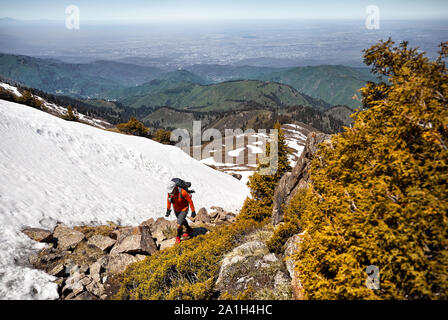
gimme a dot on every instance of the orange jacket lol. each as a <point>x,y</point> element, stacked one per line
<point>180,202</point>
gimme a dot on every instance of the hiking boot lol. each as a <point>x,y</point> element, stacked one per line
<point>187,234</point>
<point>177,240</point>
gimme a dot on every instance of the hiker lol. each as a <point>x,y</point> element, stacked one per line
<point>179,197</point>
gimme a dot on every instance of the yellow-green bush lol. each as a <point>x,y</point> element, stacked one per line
<point>162,136</point>
<point>185,271</point>
<point>379,194</point>
<point>291,222</point>
<point>134,127</point>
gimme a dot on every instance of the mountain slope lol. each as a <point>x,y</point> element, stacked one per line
<point>55,170</point>
<point>224,96</point>
<point>334,84</point>
<point>85,80</point>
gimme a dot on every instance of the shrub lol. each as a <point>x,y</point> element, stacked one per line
<point>380,188</point>
<point>70,115</point>
<point>162,136</point>
<point>185,271</point>
<point>134,127</point>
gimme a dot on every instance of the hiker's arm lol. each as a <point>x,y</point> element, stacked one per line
<point>168,203</point>
<point>188,198</point>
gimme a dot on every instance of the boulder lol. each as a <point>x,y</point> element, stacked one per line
<point>66,237</point>
<point>97,268</point>
<point>147,242</point>
<point>163,224</point>
<point>148,222</point>
<point>167,243</point>
<point>121,233</point>
<point>298,178</point>
<point>129,244</point>
<point>142,243</point>
<point>118,262</point>
<point>101,242</point>
<point>237,256</point>
<point>217,211</point>
<point>202,216</point>
<point>39,235</point>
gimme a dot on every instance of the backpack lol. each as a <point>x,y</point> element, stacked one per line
<point>181,184</point>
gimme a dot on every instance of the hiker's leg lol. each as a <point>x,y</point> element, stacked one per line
<point>179,225</point>
<point>181,220</point>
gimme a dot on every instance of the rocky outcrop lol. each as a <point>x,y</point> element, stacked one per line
<point>298,178</point>
<point>291,248</point>
<point>86,260</point>
<point>250,265</point>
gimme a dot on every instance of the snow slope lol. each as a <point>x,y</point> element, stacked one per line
<point>54,170</point>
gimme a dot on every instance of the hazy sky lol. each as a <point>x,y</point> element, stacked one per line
<point>228,9</point>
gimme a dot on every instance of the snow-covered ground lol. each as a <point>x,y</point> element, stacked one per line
<point>53,170</point>
<point>59,110</point>
<point>295,137</point>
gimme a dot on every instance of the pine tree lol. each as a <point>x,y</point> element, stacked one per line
<point>379,194</point>
<point>70,116</point>
<point>259,206</point>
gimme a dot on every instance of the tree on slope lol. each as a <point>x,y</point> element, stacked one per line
<point>259,206</point>
<point>379,194</point>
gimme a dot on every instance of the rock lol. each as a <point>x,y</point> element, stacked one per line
<point>202,216</point>
<point>167,243</point>
<point>281,279</point>
<point>86,281</point>
<point>236,256</point>
<point>217,211</point>
<point>57,271</point>
<point>97,268</point>
<point>237,176</point>
<point>39,235</point>
<point>84,296</point>
<point>124,232</point>
<point>147,242</point>
<point>96,288</point>
<point>291,247</point>
<point>129,244</point>
<point>118,262</point>
<point>148,222</point>
<point>60,281</point>
<point>251,247</point>
<point>298,178</point>
<point>297,288</point>
<point>142,243</point>
<point>270,258</point>
<point>163,224</point>
<point>226,266</point>
<point>34,259</point>
<point>71,268</point>
<point>84,269</point>
<point>66,237</point>
<point>102,242</point>
<point>73,284</point>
